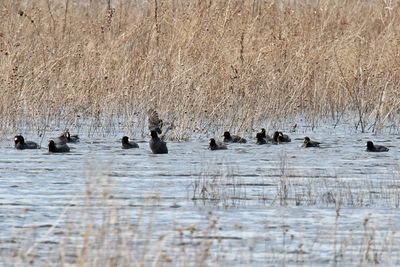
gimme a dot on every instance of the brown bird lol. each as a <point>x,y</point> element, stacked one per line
<point>155,123</point>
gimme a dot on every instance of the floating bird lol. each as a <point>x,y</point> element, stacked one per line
<point>228,138</point>
<point>58,148</point>
<point>70,138</point>
<point>279,137</point>
<point>260,139</point>
<point>126,144</point>
<point>308,143</point>
<point>376,148</point>
<point>264,135</point>
<point>21,144</point>
<point>65,137</point>
<point>157,145</point>
<point>213,145</point>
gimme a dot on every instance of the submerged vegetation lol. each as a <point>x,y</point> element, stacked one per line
<point>202,64</point>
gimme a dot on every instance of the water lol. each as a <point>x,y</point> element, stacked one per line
<point>248,205</point>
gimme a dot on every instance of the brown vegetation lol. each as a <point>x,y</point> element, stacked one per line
<point>101,228</point>
<point>204,64</point>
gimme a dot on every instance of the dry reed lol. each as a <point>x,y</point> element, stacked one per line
<point>203,64</point>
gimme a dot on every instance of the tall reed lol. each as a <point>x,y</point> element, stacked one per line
<point>203,64</point>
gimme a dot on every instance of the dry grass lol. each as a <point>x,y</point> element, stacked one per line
<point>204,64</point>
<point>287,186</point>
<point>221,188</point>
<point>99,229</point>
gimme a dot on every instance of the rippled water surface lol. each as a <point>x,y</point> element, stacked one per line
<point>258,205</point>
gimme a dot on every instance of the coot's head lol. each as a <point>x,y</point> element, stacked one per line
<point>125,139</point>
<point>19,139</point>
<point>370,145</point>
<point>212,142</point>
<point>263,132</point>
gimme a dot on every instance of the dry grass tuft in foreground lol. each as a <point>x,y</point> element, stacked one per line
<point>204,64</point>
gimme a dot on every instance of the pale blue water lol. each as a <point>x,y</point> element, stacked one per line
<point>257,222</point>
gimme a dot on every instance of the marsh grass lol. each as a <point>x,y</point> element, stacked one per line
<point>99,229</point>
<point>285,186</point>
<point>202,64</point>
<point>221,188</point>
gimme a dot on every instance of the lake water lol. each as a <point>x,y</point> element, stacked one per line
<point>248,205</point>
